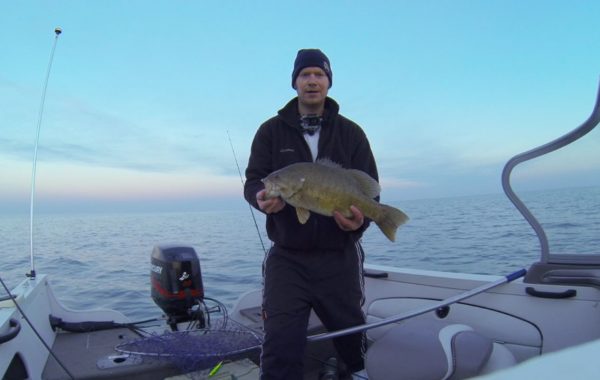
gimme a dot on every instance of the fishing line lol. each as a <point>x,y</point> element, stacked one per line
<point>249,205</point>
<point>8,292</point>
<point>57,32</point>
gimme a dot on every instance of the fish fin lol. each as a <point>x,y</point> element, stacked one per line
<point>367,185</point>
<point>391,218</point>
<point>303,214</point>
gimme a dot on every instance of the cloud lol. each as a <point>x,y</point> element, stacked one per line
<point>73,132</point>
<point>78,181</point>
<point>400,184</point>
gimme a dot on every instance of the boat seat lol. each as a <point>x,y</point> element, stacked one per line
<point>432,350</point>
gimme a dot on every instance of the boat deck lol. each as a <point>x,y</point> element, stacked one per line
<point>92,355</point>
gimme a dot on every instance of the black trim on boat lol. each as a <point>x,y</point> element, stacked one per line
<point>80,327</point>
<point>16,369</point>
<point>15,327</point>
<point>376,274</point>
<point>553,295</point>
<point>89,326</point>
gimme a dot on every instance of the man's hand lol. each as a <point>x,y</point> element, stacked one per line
<point>349,224</point>
<point>271,205</point>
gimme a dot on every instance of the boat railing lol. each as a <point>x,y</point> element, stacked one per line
<point>574,135</point>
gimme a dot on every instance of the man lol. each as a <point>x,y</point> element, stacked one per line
<point>315,265</point>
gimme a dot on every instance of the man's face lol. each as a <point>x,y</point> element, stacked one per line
<point>312,85</point>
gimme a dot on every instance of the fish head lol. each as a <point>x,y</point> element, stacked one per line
<point>278,184</point>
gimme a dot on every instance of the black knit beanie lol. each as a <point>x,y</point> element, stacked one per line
<point>311,58</point>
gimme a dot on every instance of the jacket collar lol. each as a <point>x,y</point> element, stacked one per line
<point>289,113</point>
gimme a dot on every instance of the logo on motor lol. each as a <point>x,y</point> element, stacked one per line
<point>156,269</point>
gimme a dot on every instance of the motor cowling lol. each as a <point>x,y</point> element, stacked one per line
<point>176,280</point>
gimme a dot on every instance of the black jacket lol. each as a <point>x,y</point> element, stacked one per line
<point>279,142</point>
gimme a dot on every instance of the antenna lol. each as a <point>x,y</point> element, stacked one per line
<point>57,32</point>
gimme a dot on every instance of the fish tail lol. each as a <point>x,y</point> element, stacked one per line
<point>391,218</point>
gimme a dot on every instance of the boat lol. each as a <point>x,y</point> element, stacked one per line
<point>421,324</point>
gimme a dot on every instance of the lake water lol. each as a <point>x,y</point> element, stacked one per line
<point>103,260</point>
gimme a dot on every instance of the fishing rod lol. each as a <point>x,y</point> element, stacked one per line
<point>31,274</point>
<point>413,313</point>
<point>249,206</point>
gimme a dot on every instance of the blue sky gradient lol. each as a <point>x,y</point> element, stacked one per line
<point>142,95</point>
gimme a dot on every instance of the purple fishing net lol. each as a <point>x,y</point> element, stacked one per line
<point>192,350</point>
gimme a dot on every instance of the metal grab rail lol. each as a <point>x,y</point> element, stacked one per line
<point>560,142</point>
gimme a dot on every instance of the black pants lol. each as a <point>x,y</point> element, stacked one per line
<point>331,283</point>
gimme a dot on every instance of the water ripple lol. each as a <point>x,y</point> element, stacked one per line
<point>104,260</point>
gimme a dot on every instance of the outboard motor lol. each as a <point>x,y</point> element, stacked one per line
<point>176,282</point>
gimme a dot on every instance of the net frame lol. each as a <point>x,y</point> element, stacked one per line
<point>196,343</point>
<point>196,349</point>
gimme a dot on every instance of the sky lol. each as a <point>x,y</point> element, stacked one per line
<point>146,100</point>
